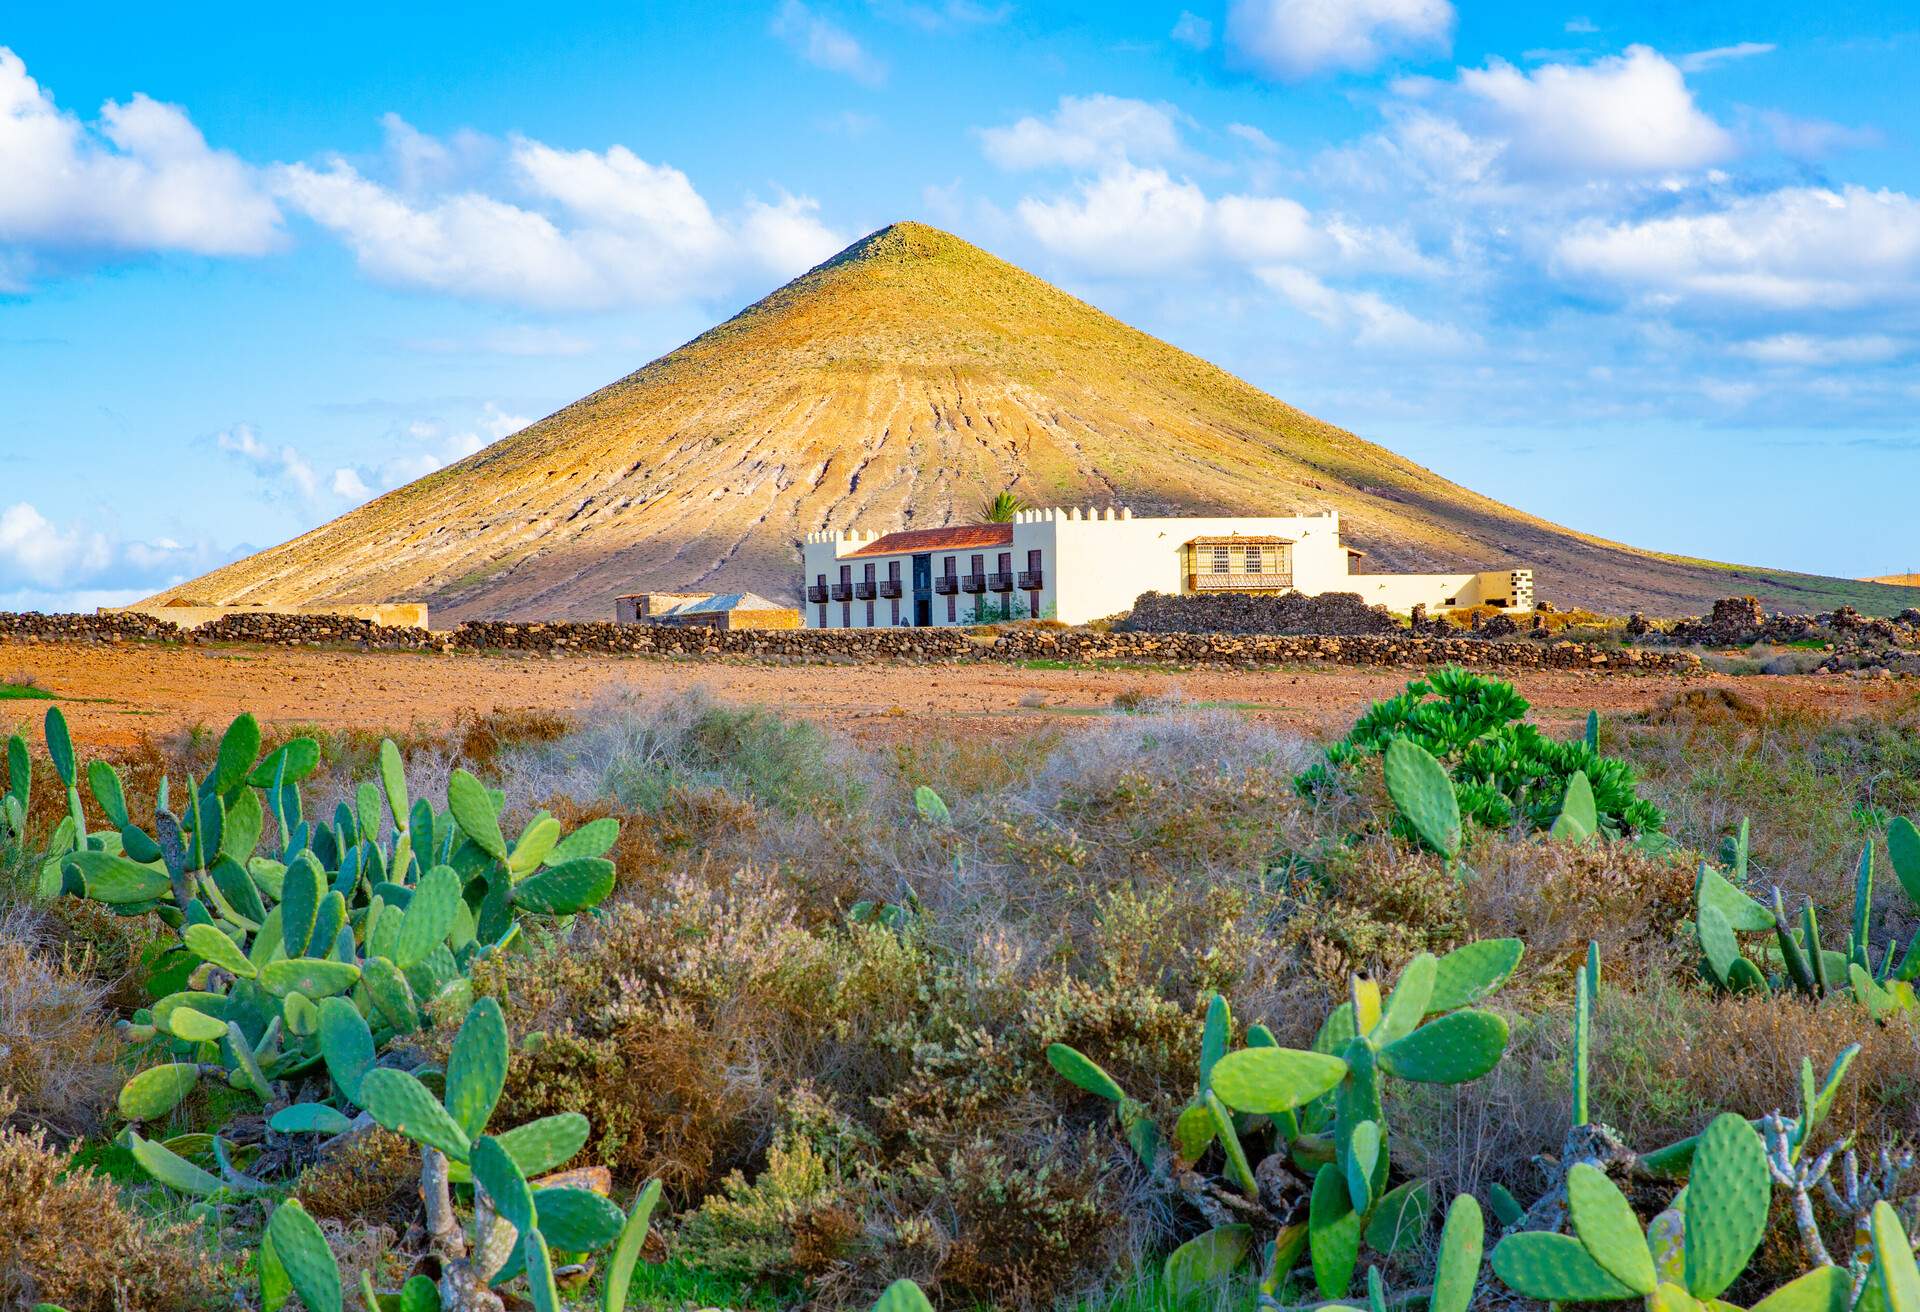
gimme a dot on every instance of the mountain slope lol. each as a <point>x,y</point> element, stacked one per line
<point>899,385</point>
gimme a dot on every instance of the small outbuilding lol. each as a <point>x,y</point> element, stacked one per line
<point>709,610</point>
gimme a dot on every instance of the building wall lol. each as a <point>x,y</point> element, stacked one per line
<point>639,607</point>
<point>1095,563</point>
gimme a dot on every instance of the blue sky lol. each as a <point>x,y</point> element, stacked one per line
<point>1652,271</point>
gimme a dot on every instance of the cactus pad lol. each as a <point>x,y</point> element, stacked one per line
<point>565,889</point>
<point>1460,1046</point>
<point>494,1170</point>
<point>1608,1229</point>
<point>114,879</point>
<point>1275,1079</point>
<point>316,977</point>
<point>1462,1239</point>
<point>209,944</point>
<point>477,1066</point>
<point>429,916</point>
<point>1419,786</point>
<point>157,1090</point>
<point>1205,1260</point>
<point>1728,1193</point>
<point>1473,971</point>
<point>1554,1268</point>
<point>576,1220</point>
<point>474,811</point>
<point>402,1104</point>
<point>1333,1232</point>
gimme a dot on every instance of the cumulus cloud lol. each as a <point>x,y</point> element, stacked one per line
<point>1806,350</point>
<point>1131,220</point>
<point>142,178</point>
<point>1296,39</point>
<point>1366,317</point>
<point>1084,132</point>
<point>1701,60</point>
<point>1794,248</point>
<point>45,566</point>
<point>1192,31</point>
<point>427,444</point>
<point>825,44</point>
<point>1628,113</point>
<point>1813,138</point>
<point>283,468</point>
<point>585,230</point>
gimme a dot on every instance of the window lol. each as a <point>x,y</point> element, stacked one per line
<point>953,612</point>
<point>846,614</point>
<point>1221,565</point>
<point>948,568</point>
<point>823,614</point>
<point>869,604</point>
<point>896,606</point>
<point>1033,604</point>
<point>1253,561</point>
<point>893,571</point>
<point>1033,559</point>
<point>979,565</point>
<point>1003,563</point>
<point>820,580</point>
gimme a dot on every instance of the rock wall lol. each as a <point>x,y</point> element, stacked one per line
<point>1013,644</point>
<point>1338,613</point>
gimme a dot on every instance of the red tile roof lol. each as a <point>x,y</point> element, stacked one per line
<point>958,538</point>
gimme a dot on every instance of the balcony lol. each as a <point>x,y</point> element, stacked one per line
<point>1000,582</point>
<point>1240,582</point>
<point>1032,580</point>
<point>890,587</point>
<point>946,584</point>
<point>973,583</point>
<point>866,590</point>
<point>843,592</point>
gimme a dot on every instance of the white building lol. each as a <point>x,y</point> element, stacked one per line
<point>1078,565</point>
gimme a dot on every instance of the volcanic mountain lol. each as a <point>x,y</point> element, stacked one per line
<point>900,385</point>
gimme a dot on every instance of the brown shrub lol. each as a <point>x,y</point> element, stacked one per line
<point>65,1238</point>
<point>57,1050</point>
<point>372,1176</point>
<point>1559,897</point>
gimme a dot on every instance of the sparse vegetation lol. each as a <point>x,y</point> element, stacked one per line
<point>1108,1015</point>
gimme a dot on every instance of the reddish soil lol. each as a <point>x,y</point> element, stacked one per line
<point>115,695</point>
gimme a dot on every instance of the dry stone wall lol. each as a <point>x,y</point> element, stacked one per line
<point>1014,644</point>
<point>1253,612</point>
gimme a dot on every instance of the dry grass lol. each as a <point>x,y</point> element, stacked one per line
<point>66,1238</point>
<point>58,1052</point>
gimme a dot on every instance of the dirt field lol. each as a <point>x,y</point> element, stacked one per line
<point>113,696</point>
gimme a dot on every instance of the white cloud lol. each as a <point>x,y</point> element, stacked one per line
<point>348,486</point>
<point>1084,132</point>
<point>1297,38</point>
<point>283,467</point>
<point>1813,138</point>
<point>1369,319</point>
<point>1795,248</point>
<point>1582,26</point>
<point>1192,31</point>
<point>1133,220</point>
<point>141,179</point>
<point>1803,349</point>
<point>1702,60</point>
<point>825,44</point>
<point>1623,114</point>
<point>1254,137</point>
<point>942,17</point>
<point>596,229</point>
<point>1127,220</point>
<point>44,566</point>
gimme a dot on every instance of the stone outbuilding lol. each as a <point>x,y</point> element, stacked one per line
<point>712,610</point>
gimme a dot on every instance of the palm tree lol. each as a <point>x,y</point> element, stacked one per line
<point>1002,509</point>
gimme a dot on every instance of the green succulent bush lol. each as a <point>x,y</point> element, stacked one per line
<point>1505,772</point>
<point>304,960</point>
<point>1322,1111</point>
<point>1791,955</point>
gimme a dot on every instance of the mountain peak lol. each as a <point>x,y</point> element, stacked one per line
<point>901,384</point>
